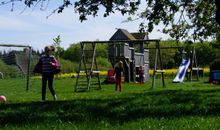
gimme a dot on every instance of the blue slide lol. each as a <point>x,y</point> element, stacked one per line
<point>182,71</point>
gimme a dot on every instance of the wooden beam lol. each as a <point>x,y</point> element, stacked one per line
<point>175,47</point>
<point>13,45</point>
<point>122,41</point>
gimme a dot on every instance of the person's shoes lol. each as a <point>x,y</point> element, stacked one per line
<point>55,97</point>
<point>43,100</point>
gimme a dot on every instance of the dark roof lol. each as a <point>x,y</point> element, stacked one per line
<point>139,36</point>
<point>122,34</point>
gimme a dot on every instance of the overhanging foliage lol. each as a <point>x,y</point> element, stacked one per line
<point>182,19</point>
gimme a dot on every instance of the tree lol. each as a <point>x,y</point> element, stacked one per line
<point>73,53</point>
<point>206,54</point>
<point>217,3</point>
<point>171,58</point>
<point>58,49</point>
<point>182,19</point>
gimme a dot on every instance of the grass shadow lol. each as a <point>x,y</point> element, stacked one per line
<point>151,104</point>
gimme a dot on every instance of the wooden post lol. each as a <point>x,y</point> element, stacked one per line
<point>115,53</point>
<point>157,51</point>
<point>194,64</point>
<point>28,69</point>
<point>128,67</point>
<point>155,67</point>
<point>80,64</point>
<point>100,87</point>
<point>161,64</point>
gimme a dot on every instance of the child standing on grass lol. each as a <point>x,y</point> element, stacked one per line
<point>141,74</point>
<point>118,76</point>
<point>46,65</point>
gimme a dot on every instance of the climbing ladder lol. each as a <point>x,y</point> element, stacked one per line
<point>88,69</point>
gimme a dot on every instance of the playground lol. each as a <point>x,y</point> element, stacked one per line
<point>163,76</point>
<point>176,98</point>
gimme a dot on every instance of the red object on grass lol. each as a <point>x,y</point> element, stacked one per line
<point>110,76</point>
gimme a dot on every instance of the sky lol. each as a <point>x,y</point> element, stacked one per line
<point>33,28</point>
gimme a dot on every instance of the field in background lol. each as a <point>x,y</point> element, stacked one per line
<point>189,105</point>
<point>169,72</point>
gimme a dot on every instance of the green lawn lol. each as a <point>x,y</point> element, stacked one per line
<point>186,106</point>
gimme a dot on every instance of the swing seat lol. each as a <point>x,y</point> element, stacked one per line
<point>95,72</point>
<point>160,71</point>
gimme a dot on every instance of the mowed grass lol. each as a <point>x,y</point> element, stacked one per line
<point>189,105</point>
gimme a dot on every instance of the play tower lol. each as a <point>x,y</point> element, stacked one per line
<point>131,51</point>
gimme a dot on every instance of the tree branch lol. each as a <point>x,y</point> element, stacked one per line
<point>8,2</point>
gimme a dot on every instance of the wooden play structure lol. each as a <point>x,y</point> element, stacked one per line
<point>124,46</point>
<point>130,49</point>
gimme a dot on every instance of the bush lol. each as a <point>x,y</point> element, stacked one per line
<point>103,63</point>
<point>67,66</point>
<point>9,71</point>
<point>73,53</point>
